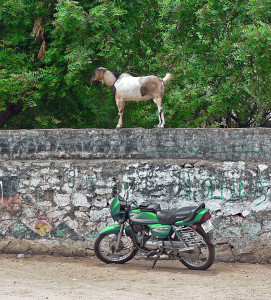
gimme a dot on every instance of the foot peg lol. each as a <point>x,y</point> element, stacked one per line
<point>151,253</point>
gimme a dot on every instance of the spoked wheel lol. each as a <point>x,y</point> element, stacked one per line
<point>105,248</point>
<point>202,256</point>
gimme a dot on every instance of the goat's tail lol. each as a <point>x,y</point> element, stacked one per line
<point>168,77</point>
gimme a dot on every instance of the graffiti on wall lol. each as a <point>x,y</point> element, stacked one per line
<point>218,150</point>
<point>80,181</point>
<point>42,224</point>
<point>238,229</point>
<point>224,187</point>
<point>9,196</point>
<point>236,186</point>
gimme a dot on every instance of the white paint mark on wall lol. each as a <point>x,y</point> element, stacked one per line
<point>80,200</point>
<point>2,192</point>
<point>262,167</point>
<point>62,199</point>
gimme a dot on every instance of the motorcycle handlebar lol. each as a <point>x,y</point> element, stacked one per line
<point>130,185</point>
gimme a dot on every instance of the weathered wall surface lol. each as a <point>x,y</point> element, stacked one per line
<point>56,185</point>
<point>251,145</point>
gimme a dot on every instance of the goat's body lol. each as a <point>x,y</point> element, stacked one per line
<point>128,88</point>
<point>131,88</point>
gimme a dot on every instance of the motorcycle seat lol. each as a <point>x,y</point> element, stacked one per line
<point>149,207</point>
<point>169,217</point>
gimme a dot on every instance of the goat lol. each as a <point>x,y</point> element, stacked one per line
<point>128,88</point>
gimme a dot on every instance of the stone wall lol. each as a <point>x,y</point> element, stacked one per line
<point>56,185</point>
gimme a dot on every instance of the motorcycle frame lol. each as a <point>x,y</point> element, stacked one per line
<point>118,229</point>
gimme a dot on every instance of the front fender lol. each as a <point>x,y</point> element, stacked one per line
<point>115,229</point>
<point>112,229</point>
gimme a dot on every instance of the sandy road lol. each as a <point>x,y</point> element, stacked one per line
<point>46,277</point>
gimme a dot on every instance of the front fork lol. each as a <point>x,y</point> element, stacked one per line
<point>119,237</point>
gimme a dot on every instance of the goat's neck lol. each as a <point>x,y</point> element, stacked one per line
<point>109,79</point>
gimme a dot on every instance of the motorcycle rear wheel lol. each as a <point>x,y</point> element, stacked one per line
<point>105,248</point>
<point>206,255</point>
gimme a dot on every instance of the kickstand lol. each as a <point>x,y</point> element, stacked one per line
<point>155,261</point>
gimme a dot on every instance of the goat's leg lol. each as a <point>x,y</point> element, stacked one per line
<point>161,116</point>
<point>120,104</point>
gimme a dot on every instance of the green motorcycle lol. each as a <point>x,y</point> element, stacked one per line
<point>185,234</point>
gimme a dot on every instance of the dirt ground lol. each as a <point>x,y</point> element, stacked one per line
<point>46,277</point>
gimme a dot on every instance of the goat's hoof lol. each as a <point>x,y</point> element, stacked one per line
<point>118,127</point>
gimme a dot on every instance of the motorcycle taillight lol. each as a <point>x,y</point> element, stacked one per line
<point>206,217</point>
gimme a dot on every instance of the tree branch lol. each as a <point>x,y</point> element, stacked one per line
<point>11,111</point>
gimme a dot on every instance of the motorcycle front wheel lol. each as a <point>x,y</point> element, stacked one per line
<point>202,257</point>
<point>105,248</point>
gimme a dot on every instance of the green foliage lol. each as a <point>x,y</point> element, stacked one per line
<point>218,51</point>
<point>223,62</point>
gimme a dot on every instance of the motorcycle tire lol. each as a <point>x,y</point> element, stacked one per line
<point>210,259</point>
<point>111,251</point>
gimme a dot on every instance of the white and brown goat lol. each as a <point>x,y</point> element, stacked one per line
<point>128,88</point>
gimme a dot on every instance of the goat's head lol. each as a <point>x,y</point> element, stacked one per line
<point>98,74</point>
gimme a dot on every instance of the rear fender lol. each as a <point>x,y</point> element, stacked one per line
<point>209,236</point>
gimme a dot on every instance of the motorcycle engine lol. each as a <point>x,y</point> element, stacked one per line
<point>153,244</point>
<point>145,239</point>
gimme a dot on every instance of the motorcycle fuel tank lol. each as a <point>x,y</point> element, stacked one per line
<point>139,217</point>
